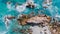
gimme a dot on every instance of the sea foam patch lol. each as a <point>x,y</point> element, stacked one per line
<point>20,8</point>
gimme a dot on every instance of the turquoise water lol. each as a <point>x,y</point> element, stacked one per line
<point>5,11</point>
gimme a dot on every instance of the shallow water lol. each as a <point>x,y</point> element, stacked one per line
<point>50,11</point>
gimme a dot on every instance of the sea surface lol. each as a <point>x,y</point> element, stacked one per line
<point>52,11</point>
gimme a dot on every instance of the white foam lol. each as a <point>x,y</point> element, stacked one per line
<point>52,9</point>
<point>40,30</point>
<point>48,2</point>
<point>20,8</point>
<point>37,6</point>
<point>36,30</point>
<point>56,9</point>
<point>45,5</point>
<point>57,16</point>
<point>47,29</point>
<point>7,21</point>
<point>29,1</point>
<point>9,6</point>
<point>3,32</point>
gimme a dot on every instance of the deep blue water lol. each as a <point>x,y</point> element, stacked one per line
<point>4,11</point>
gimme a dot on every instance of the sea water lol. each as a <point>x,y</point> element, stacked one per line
<point>50,11</point>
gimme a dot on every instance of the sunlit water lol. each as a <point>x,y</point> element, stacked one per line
<point>5,9</point>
